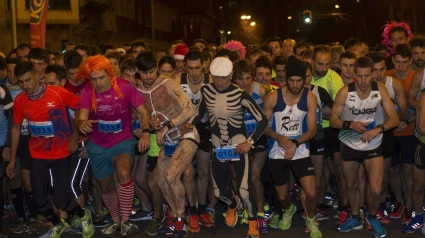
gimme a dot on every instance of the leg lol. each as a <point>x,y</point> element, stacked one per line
<point>375,170</point>
<point>203,158</point>
<point>350,171</point>
<point>140,177</point>
<point>157,197</point>
<point>308,184</point>
<point>257,163</point>
<point>123,164</point>
<point>318,164</point>
<point>109,196</point>
<point>362,185</point>
<point>418,189</point>
<point>163,162</point>
<point>243,173</point>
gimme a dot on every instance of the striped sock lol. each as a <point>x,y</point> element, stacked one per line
<point>126,197</point>
<point>111,203</point>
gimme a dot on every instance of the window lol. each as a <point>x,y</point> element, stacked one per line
<point>54,4</point>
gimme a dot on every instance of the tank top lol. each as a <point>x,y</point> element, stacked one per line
<point>365,110</point>
<point>250,122</point>
<point>320,106</point>
<point>289,121</point>
<point>389,86</point>
<point>194,97</point>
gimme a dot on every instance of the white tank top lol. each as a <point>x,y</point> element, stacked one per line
<point>366,110</point>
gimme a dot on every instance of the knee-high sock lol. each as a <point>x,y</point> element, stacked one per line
<point>111,202</point>
<point>30,202</point>
<point>18,202</point>
<point>126,197</point>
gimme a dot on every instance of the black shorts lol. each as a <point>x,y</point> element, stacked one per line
<point>317,147</point>
<point>205,144</point>
<point>403,150</point>
<point>331,141</point>
<point>420,155</point>
<point>151,163</point>
<point>23,152</point>
<point>281,168</point>
<point>350,154</point>
<point>261,145</point>
<point>387,144</point>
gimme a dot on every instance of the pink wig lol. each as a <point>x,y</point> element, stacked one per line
<point>236,45</point>
<point>386,33</point>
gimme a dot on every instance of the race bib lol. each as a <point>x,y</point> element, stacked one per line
<point>42,129</point>
<point>250,127</point>
<point>226,153</point>
<point>110,126</point>
<point>170,147</point>
<point>136,125</point>
<point>24,127</point>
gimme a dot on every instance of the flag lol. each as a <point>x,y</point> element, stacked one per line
<point>38,22</point>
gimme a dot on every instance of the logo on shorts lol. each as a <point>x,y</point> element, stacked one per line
<point>372,154</point>
<point>310,168</point>
<point>321,149</point>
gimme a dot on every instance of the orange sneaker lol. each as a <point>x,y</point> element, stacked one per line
<point>194,224</point>
<point>253,231</point>
<point>231,216</point>
<point>205,220</point>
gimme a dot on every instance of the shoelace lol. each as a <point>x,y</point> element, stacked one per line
<point>179,225</point>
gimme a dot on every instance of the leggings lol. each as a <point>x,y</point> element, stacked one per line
<point>220,172</point>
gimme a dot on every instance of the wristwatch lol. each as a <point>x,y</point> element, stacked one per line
<point>380,126</point>
<point>251,141</point>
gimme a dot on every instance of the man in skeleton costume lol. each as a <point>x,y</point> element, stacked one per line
<point>292,110</point>
<point>226,105</point>
<point>191,83</point>
<point>355,111</point>
<point>170,108</point>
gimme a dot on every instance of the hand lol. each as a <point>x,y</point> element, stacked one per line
<point>160,135</point>
<point>84,153</point>
<point>284,141</point>
<point>359,126</point>
<point>185,128</point>
<point>326,111</point>
<point>401,126</point>
<point>73,144</point>
<point>243,148</point>
<point>6,154</point>
<point>138,132</point>
<point>144,142</point>
<point>154,123</point>
<point>10,169</point>
<point>85,126</point>
<point>370,134</point>
<point>289,153</point>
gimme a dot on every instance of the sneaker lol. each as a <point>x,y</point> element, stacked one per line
<point>128,229</point>
<point>68,227</point>
<point>322,215</point>
<point>262,224</point>
<point>244,217</point>
<point>87,224</point>
<point>382,217</point>
<point>20,228</point>
<point>205,220</point>
<point>211,212</point>
<point>342,217</point>
<point>313,228</point>
<point>111,228</point>
<point>407,216</point>
<point>274,222</point>
<point>307,230</point>
<point>34,228</point>
<point>153,226</point>
<point>416,223</point>
<point>378,229</point>
<point>268,212</point>
<point>396,211</point>
<point>231,216</point>
<point>54,232</point>
<point>351,224</point>
<point>180,227</point>
<point>102,222</point>
<point>194,224</point>
<point>286,221</point>
<point>167,227</point>
<point>141,215</point>
<point>253,231</point>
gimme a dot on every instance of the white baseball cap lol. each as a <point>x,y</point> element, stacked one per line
<point>221,66</point>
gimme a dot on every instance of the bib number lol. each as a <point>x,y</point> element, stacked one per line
<point>227,153</point>
<point>110,126</point>
<point>24,128</point>
<point>170,147</point>
<point>42,129</point>
<point>250,126</point>
<point>136,125</point>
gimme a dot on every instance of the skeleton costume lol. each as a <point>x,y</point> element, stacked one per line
<point>168,101</point>
<point>226,110</point>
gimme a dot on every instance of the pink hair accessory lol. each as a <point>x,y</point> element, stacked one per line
<point>236,45</point>
<point>386,33</point>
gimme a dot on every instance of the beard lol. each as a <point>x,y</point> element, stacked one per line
<point>419,63</point>
<point>321,74</point>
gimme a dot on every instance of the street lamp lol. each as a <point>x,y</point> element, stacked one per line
<point>229,32</point>
<point>246,17</point>
<point>252,23</point>
<point>336,6</point>
<point>289,17</point>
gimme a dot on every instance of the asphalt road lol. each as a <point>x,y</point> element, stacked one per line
<point>328,228</point>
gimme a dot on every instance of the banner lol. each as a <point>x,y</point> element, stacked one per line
<point>38,22</point>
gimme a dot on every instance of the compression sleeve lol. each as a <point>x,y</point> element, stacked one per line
<point>249,104</point>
